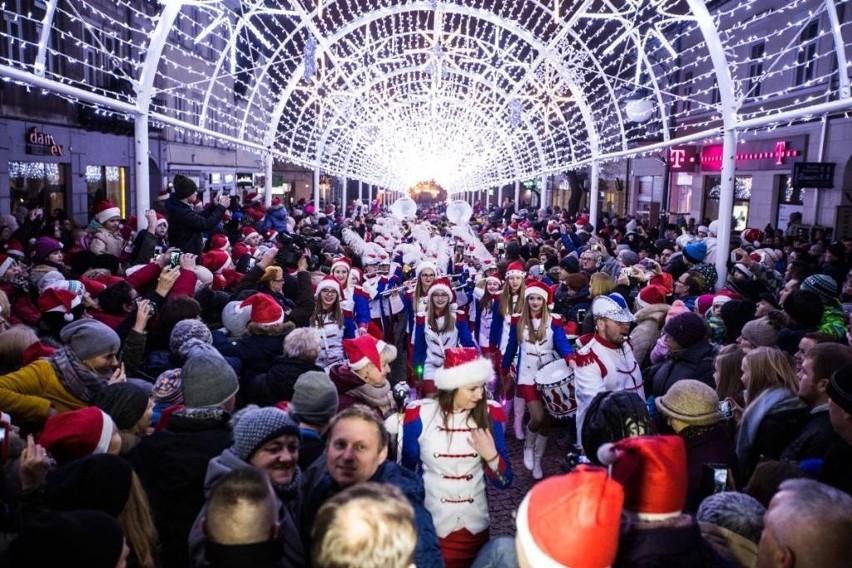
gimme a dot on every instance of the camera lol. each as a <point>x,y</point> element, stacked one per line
<point>174,259</point>
<point>152,309</point>
<point>293,248</point>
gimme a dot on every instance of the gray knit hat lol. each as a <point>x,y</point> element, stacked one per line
<point>315,398</point>
<point>88,338</point>
<point>692,402</point>
<point>188,329</point>
<point>760,332</point>
<point>207,380</point>
<point>254,426</point>
<point>235,320</point>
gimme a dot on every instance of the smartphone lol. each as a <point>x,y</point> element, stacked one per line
<point>726,409</point>
<point>714,478</point>
<point>174,259</point>
<point>581,315</point>
<point>251,263</point>
<point>734,258</point>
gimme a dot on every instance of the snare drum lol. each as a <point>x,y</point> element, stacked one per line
<point>555,382</point>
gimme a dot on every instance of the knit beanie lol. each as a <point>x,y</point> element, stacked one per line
<point>692,402</point>
<point>254,426</point>
<point>100,483</point>
<point>570,264</point>
<point>704,303</point>
<point>125,403</point>
<point>91,538</point>
<point>184,187</point>
<point>687,329</point>
<point>677,308</point>
<point>207,380</point>
<point>43,247</point>
<point>695,251</point>
<point>824,285</point>
<point>736,313</point>
<point>760,332</point>
<point>315,398</point>
<point>577,282</point>
<point>235,320</point>
<point>167,388</point>
<point>88,338</point>
<point>187,329</point>
<point>628,257</point>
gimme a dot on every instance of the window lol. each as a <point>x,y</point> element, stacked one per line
<point>686,101</point>
<point>107,182</point>
<point>37,184</point>
<point>742,194</point>
<point>806,58</point>
<point>755,69</point>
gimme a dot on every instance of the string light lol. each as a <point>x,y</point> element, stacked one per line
<point>465,92</point>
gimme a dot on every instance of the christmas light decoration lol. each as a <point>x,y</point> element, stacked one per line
<point>468,93</point>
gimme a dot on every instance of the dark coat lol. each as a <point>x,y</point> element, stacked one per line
<point>186,225</point>
<point>837,469</point>
<point>172,465</point>
<point>777,429</point>
<point>256,352</point>
<point>319,486</point>
<point>815,439</point>
<point>696,362</point>
<point>277,383</point>
<point>673,544</point>
<point>705,445</point>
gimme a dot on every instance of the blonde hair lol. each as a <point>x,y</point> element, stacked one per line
<point>271,273</point>
<point>138,525</point>
<point>768,367</point>
<point>303,343</point>
<point>13,343</point>
<point>600,284</point>
<point>526,322</point>
<point>730,360</point>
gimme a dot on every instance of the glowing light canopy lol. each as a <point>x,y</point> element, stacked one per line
<point>468,93</point>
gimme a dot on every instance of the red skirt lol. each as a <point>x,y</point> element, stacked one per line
<point>460,548</point>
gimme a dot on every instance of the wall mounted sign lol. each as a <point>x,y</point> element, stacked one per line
<point>41,143</point>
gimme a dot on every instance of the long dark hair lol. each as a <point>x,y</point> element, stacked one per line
<point>480,414</point>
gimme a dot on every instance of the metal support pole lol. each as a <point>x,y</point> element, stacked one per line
<point>143,197</point>
<point>360,190</point>
<point>316,189</point>
<point>726,205</point>
<point>517,196</point>
<point>594,194</point>
<point>267,179</point>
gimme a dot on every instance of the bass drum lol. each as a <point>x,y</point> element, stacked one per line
<point>555,382</point>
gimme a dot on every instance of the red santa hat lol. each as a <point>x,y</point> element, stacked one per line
<point>251,197</point>
<point>76,434</point>
<point>651,295</point>
<point>571,520</point>
<point>342,261</point>
<point>161,220</point>
<point>215,261</point>
<point>249,232</point>
<point>6,263</point>
<point>495,276</point>
<point>58,300</point>
<point>462,367</point>
<point>239,250</point>
<point>36,351</point>
<point>105,210</point>
<point>276,203</point>
<point>264,309</point>
<point>16,249</point>
<point>652,470</point>
<point>163,195</point>
<point>516,269</point>
<point>442,285</point>
<point>331,283</point>
<point>363,350</point>
<point>357,273</point>
<point>218,242</point>
<point>538,288</point>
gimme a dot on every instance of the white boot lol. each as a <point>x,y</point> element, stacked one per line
<point>529,449</point>
<point>538,452</point>
<point>520,407</point>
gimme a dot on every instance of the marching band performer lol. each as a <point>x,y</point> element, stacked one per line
<point>486,295</point>
<point>332,317</point>
<point>511,302</point>
<point>440,327</point>
<point>350,283</point>
<point>536,338</point>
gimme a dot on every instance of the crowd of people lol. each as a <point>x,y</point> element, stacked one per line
<point>230,384</point>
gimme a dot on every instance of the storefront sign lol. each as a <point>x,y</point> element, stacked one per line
<point>245,179</point>
<point>683,158</point>
<point>757,155</point>
<point>813,174</point>
<point>41,143</point>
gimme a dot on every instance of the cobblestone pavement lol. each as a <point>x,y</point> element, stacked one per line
<point>503,504</point>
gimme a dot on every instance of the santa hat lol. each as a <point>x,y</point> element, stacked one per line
<point>15,249</point>
<point>251,197</point>
<point>752,236</point>
<point>218,242</point>
<point>425,265</point>
<point>495,276</point>
<point>105,210</point>
<point>249,232</point>
<point>57,300</point>
<point>442,285</point>
<point>356,273</point>
<point>652,470</point>
<point>651,295</point>
<point>276,203</point>
<point>76,434</point>
<point>331,283</point>
<point>37,351</point>
<point>363,350</point>
<point>163,195</point>
<point>264,309</point>
<point>516,269</point>
<point>239,250</point>
<point>6,263</point>
<point>462,367</point>
<point>571,520</point>
<point>342,261</point>
<point>538,288</point>
<point>161,220</point>
<point>215,261</point>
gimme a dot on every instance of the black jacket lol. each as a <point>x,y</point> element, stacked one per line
<point>256,352</point>
<point>275,385</point>
<point>696,362</point>
<point>815,439</point>
<point>186,225</point>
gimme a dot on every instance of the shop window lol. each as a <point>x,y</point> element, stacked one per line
<point>755,69</point>
<point>686,99</point>
<point>37,184</point>
<point>107,182</point>
<point>742,195</point>
<point>790,200</point>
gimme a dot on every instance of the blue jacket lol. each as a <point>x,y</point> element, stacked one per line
<point>275,219</point>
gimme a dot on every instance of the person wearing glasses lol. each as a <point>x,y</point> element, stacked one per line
<point>332,317</point>
<point>590,262</point>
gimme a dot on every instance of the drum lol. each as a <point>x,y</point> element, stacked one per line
<point>555,382</point>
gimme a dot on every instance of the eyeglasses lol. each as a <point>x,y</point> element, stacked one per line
<point>329,292</point>
<point>585,258</point>
<point>278,280</point>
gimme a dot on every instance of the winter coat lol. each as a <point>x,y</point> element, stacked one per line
<point>837,468</point>
<point>815,439</point>
<point>288,504</point>
<point>673,543</point>
<point>145,247</point>
<point>172,465</point>
<point>695,362</point>
<point>256,352</point>
<point>319,487</point>
<point>649,326</point>
<point>186,224</point>
<point>276,218</point>
<point>275,385</point>
<point>705,445</point>
<point>351,389</point>
<point>107,242</point>
<point>28,394</point>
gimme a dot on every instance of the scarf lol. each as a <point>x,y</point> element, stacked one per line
<point>77,378</point>
<point>377,398</point>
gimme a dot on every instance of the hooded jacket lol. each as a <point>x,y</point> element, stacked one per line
<point>186,224</point>
<point>649,326</point>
